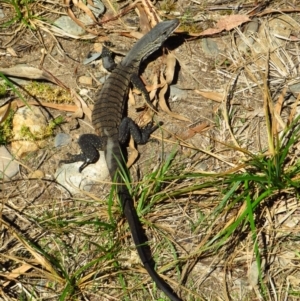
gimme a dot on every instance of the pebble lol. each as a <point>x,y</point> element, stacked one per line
<point>62,139</point>
<point>8,166</point>
<point>209,47</point>
<point>244,43</point>
<point>33,119</point>
<point>295,88</point>
<point>176,93</point>
<point>69,26</point>
<point>68,175</point>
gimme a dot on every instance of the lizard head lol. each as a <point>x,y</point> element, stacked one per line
<point>151,41</point>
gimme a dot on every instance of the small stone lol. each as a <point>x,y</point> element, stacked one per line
<point>62,139</point>
<point>69,26</point>
<point>176,93</point>
<point>295,88</point>
<point>85,80</point>
<point>35,121</point>
<point>8,166</point>
<point>210,47</point>
<point>68,175</point>
<point>1,14</point>
<point>84,92</point>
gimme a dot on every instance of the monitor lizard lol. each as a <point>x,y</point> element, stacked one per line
<point>113,128</point>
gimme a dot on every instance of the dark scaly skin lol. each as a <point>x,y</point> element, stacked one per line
<point>113,129</point>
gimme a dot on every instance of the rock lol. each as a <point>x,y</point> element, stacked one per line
<point>209,47</point>
<point>295,88</point>
<point>244,42</point>
<point>8,166</point>
<point>176,93</point>
<point>33,119</point>
<point>62,139</point>
<point>68,175</point>
<point>69,26</point>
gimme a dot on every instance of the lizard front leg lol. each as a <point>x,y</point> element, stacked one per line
<point>89,145</point>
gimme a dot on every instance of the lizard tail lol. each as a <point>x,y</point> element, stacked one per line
<point>140,241</point>
<point>115,161</point>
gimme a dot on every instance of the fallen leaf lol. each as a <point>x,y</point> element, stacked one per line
<point>215,96</point>
<point>170,67</point>
<point>151,12</point>
<point>162,103</point>
<point>82,6</point>
<point>226,23</point>
<point>144,22</point>
<point>27,72</point>
<point>134,153</point>
<point>191,132</point>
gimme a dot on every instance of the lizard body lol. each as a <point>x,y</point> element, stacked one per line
<point>113,129</point>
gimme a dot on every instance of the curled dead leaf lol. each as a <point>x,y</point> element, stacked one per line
<point>170,67</point>
<point>226,23</point>
<point>191,132</point>
<point>213,95</point>
<point>133,154</point>
<point>162,102</point>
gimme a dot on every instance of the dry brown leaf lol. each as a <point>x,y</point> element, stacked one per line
<point>226,23</point>
<point>170,67</point>
<point>151,12</point>
<point>144,22</point>
<point>131,99</point>
<point>215,96</point>
<point>191,132</point>
<point>83,7</point>
<point>153,88</point>
<point>134,153</point>
<point>77,21</point>
<point>11,51</point>
<point>162,103</point>
<point>277,111</point>
<point>134,34</point>
<point>27,72</point>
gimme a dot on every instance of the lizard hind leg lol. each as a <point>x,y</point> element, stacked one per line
<point>89,145</point>
<point>140,136</point>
